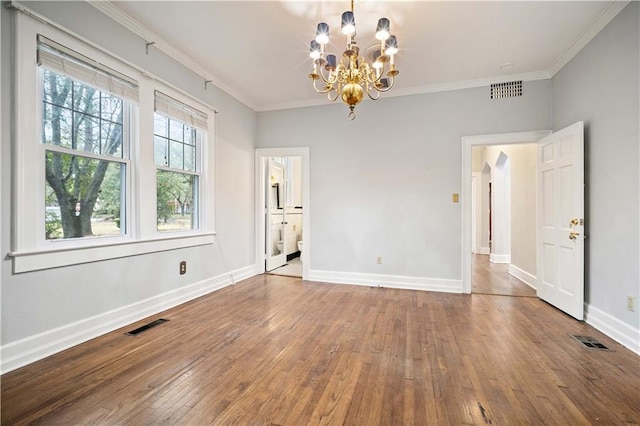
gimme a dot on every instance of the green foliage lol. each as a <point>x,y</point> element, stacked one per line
<point>109,196</point>
<point>52,225</point>
<point>174,194</point>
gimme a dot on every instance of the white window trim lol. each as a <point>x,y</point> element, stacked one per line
<point>30,250</point>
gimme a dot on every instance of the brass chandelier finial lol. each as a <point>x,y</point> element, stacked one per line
<point>353,76</point>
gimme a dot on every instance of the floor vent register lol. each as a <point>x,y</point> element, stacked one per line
<point>146,327</point>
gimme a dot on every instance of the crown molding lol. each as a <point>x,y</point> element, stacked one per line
<point>108,8</point>
<point>605,17</point>
<point>471,84</point>
<point>419,90</point>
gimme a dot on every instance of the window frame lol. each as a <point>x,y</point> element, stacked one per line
<point>200,137</point>
<point>29,248</point>
<point>125,158</point>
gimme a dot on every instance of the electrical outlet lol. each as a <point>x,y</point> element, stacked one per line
<point>183,267</point>
<point>379,260</point>
<point>631,303</point>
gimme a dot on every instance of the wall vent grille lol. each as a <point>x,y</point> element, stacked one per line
<point>506,90</point>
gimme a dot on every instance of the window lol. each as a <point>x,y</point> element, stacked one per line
<point>176,152</point>
<point>82,131</point>
<point>85,175</point>
<point>85,143</point>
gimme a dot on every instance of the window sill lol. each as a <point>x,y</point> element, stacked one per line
<point>27,261</point>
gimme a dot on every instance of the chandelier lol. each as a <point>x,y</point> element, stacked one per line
<point>353,75</point>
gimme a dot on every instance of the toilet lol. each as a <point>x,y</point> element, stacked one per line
<point>300,247</point>
<point>280,246</point>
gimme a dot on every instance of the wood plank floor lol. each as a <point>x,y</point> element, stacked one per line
<point>494,278</point>
<point>281,351</point>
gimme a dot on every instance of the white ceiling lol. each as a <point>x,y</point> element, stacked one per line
<point>258,51</point>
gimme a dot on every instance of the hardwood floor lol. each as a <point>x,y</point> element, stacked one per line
<point>494,278</point>
<point>280,351</point>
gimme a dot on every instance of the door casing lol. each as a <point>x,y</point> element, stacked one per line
<point>467,143</point>
<point>259,176</point>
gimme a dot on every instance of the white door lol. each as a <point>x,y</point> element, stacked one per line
<point>560,258</point>
<point>275,217</point>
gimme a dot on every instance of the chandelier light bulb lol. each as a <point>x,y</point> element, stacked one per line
<point>314,50</point>
<point>322,33</point>
<point>382,30</point>
<point>348,23</point>
<point>391,45</point>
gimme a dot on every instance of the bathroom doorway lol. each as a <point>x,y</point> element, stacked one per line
<point>282,222</point>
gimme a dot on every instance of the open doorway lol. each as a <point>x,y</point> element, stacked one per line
<point>507,182</point>
<point>283,216</point>
<point>282,211</point>
<point>499,228</point>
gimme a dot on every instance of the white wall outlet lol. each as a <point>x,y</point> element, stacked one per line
<point>379,260</point>
<point>631,303</point>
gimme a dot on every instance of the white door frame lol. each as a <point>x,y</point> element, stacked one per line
<point>259,175</point>
<point>467,143</point>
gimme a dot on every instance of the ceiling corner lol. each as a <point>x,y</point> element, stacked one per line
<point>605,17</point>
<point>112,11</point>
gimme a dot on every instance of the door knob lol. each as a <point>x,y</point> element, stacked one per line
<point>574,222</point>
<point>573,235</point>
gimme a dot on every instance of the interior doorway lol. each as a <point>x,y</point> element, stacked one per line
<point>487,260</point>
<point>282,211</point>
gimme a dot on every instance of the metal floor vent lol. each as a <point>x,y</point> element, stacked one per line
<point>146,327</point>
<point>589,342</point>
<point>506,90</point>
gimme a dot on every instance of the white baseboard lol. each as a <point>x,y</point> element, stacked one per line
<point>619,331</point>
<point>499,258</point>
<point>522,275</point>
<point>484,250</point>
<point>30,349</point>
<point>387,281</point>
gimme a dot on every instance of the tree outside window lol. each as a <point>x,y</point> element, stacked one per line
<point>176,147</point>
<point>82,129</point>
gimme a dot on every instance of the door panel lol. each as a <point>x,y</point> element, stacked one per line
<point>275,217</point>
<point>560,258</point>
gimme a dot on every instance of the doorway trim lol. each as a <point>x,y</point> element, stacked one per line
<point>467,143</point>
<point>259,176</point>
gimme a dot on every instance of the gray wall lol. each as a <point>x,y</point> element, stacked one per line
<point>600,87</point>
<point>35,302</point>
<point>381,185</point>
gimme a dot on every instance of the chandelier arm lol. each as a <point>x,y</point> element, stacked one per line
<point>335,97</point>
<point>371,76</point>
<point>328,80</point>
<point>369,93</point>
<point>325,90</point>
<point>386,89</point>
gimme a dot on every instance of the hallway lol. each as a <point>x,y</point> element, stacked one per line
<point>494,278</point>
